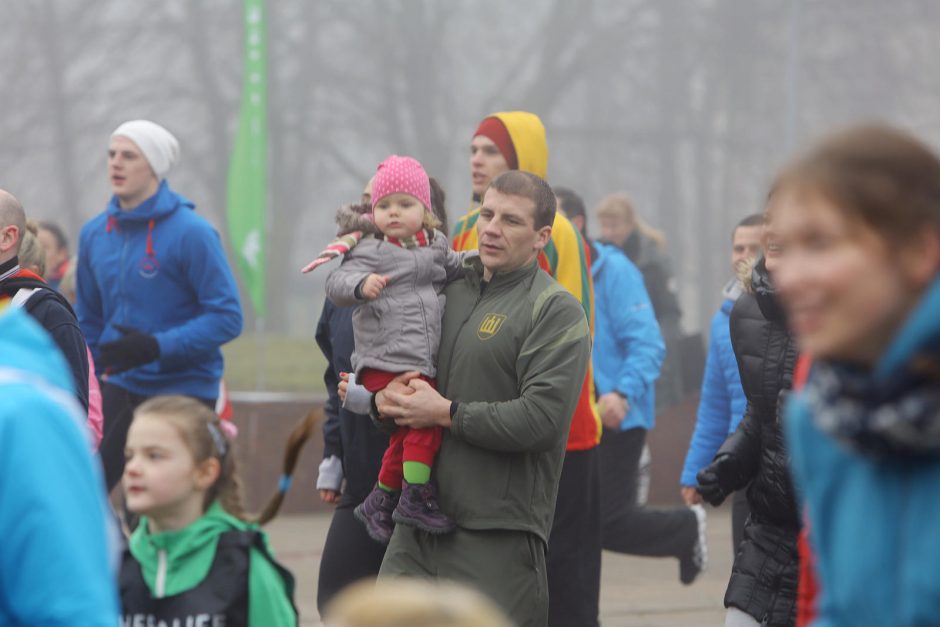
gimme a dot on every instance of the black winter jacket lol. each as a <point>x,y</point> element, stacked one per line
<point>55,315</point>
<point>766,567</point>
<point>654,265</point>
<point>657,274</point>
<point>351,437</point>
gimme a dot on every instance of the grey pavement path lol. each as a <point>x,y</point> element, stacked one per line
<point>635,591</point>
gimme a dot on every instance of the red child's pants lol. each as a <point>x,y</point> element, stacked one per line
<point>406,444</point>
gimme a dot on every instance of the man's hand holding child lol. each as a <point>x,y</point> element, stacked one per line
<point>417,405</point>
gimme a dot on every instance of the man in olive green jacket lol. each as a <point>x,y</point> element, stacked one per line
<point>514,352</point>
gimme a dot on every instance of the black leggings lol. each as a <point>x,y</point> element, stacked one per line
<point>349,554</point>
<point>118,405</point>
<point>574,546</point>
<point>627,527</point>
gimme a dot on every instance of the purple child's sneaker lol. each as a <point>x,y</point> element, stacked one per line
<point>418,507</point>
<point>375,512</point>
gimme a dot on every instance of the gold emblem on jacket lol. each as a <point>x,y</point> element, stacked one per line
<point>490,325</point>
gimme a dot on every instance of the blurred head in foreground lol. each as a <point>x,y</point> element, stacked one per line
<point>412,603</point>
<point>853,240</point>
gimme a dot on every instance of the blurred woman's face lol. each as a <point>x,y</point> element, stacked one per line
<point>845,292</point>
<point>614,229</point>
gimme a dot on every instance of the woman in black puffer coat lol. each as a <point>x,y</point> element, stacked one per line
<point>764,577</point>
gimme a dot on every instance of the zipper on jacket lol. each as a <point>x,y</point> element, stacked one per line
<point>424,313</point>
<point>470,312</point>
<point>160,583</point>
<point>901,547</point>
<point>121,272</point>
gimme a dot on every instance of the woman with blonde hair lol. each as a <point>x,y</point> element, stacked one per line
<point>621,226</point>
<point>32,256</point>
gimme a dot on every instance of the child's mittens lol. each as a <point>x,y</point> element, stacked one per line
<point>339,246</point>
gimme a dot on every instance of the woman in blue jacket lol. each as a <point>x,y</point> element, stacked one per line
<point>859,275</point>
<point>156,296</point>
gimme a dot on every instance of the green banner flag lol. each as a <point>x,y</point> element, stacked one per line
<point>248,169</point>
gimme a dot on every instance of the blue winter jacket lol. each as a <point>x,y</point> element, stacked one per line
<point>54,567</point>
<point>873,524</point>
<point>159,268</point>
<point>628,347</point>
<point>722,402</point>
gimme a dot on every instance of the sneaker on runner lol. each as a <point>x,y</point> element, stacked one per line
<point>695,561</point>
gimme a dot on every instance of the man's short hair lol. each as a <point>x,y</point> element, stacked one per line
<point>528,185</point>
<point>755,219</point>
<point>573,204</point>
<point>61,241</point>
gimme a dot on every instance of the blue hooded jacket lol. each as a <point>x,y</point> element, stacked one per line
<point>54,567</point>
<point>722,402</point>
<point>873,522</point>
<point>628,347</point>
<point>159,268</point>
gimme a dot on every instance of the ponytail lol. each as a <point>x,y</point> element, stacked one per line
<point>295,443</point>
<point>658,236</point>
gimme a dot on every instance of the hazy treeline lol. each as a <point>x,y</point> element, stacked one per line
<point>687,104</point>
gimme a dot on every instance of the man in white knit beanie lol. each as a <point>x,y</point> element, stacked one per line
<point>157,144</point>
<point>156,298</point>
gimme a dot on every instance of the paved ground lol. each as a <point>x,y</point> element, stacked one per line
<point>635,591</point>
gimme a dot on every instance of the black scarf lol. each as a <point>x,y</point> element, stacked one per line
<point>895,417</point>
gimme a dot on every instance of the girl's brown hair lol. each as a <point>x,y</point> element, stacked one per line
<point>439,205</point>
<point>874,174</point>
<point>295,443</point>
<point>201,430</point>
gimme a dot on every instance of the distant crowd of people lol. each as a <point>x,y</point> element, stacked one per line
<point>491,390</point>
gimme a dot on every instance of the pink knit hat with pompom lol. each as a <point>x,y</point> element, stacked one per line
<point>401,175</point>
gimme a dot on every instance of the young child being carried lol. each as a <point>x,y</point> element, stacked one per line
<point>396,275</point>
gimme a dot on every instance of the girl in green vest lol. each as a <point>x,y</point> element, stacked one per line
<point>193,558</point>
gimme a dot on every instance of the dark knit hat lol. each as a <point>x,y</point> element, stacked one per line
<point>494,129</point>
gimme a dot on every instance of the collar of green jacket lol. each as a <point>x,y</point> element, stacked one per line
<point>187,553</point>
<point>528,138</point>
<point>473,269</point>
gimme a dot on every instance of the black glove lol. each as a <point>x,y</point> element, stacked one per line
<point>132,350</point>
<point>716,479</point>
